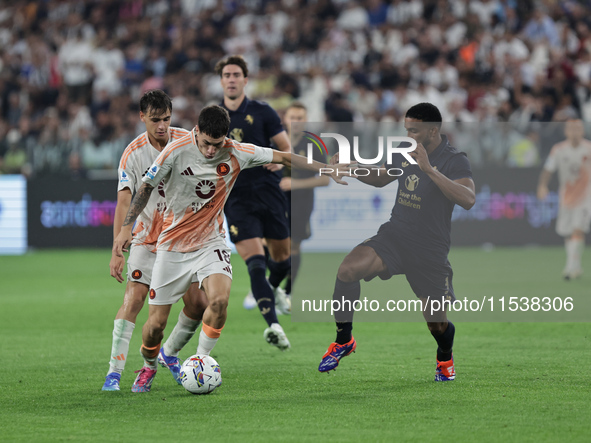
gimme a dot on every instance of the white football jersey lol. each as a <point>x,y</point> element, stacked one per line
<point>574,172</point>
<point>197,189</point>
<point>135,162</point>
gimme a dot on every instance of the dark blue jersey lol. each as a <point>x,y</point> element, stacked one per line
<point>254,122</point>
<point>421,218</point>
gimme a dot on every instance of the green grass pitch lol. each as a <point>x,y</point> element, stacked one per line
<point>516,381</point>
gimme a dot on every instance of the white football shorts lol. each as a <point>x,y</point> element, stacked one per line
<point>140,264</point>
<point>173,272</point>
<point>570,219</point>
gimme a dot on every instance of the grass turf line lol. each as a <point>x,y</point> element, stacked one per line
<point>516,381</point>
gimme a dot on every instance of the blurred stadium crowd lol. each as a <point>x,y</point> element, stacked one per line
<point>72,71</point>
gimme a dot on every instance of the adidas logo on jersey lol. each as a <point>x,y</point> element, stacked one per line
<point>187,171</point>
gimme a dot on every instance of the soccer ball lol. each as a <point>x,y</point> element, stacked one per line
<point>200,374</point>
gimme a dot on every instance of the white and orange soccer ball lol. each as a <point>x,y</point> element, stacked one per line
<point>200,374</point>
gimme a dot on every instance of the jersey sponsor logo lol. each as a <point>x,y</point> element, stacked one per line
<point>205,189</point>
<point>124,177</point>
<point>152,294</point>
<point>136,275</point>
<point>187,171</point>
<point>228,269</point>
<point>233,230</point>
<point>161,189</point>
<point>237,134</point>
<point>249,119</point>
<point>411,182</point>
<point>151,173</point>
<point>161,207</point>
<point>223,169</point>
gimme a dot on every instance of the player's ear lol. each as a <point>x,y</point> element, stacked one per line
<point>142,117</point>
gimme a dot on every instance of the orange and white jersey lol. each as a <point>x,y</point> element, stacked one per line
<point>197,189</point>
<point>574,172</point>
<point>135,162</point>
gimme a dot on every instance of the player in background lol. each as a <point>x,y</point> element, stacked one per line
<point>572,159</point>
<point>257,209</point>
<point>200,170</point>
<point>155,112</point>
<point>298,186</point>
<point>416,239</point>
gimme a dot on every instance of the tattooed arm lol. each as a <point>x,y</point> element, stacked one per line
<point>139,202</point>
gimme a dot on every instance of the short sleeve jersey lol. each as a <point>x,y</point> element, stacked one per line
<point>574,172</point>
<point>135,161</point>
<point>197,189</point>
<point>255,122</point>
<point>421,217</point>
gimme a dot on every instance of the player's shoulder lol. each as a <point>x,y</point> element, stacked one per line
<point>559,147</point>
<point>134,149</point>
<point>176,133</point>
<point>138,142</point>
<point>177,146</point>
<point>454,153</point>
<point>183,140</point>
<point>587,143</point>
<point>260,104</point>
<point>260,107</point>
<point>238,147</point>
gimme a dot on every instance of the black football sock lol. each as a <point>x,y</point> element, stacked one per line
<point>287,287</point>
<point>261,290</point>
<point>345,294</point>
<point>278,270</point>
<point>344,332</point>
<point>445,342</point>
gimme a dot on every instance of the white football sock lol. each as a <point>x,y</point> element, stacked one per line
<point>206,343</point>
<point>578,245</point>
<point>151,362</point>
<point>122,331</point>
<point>181,334</point>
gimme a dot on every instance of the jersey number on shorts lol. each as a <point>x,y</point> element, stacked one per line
<point>223,255</point>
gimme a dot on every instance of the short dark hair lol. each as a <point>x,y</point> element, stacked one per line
<point>156,100</point>
<point>214,121</point>
<point>237,60</point>
<point>425,112</point>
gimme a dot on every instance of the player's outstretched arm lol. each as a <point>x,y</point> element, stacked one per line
<point>118,262</point>
<point>282,143</point>
<point>139,202</point>
<point>299,161</point>
<point>377,177</point>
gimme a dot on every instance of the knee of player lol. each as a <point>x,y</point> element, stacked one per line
<point>437,328</point>
<point>348,273</point>
<point>156,326</point>
<point>280,255</point>
<point>218,303</point>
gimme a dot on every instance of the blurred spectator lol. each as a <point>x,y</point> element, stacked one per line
<point>14,160</point>
<point>65,66</point>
